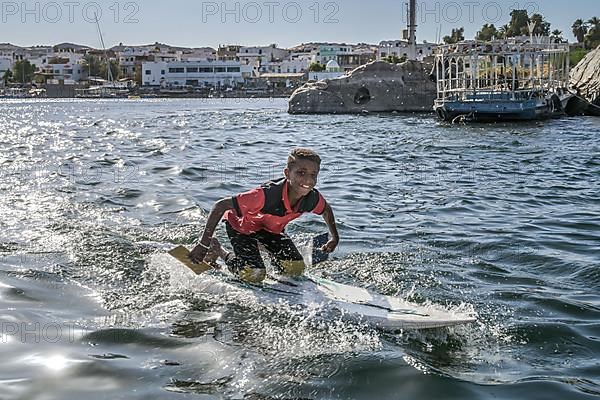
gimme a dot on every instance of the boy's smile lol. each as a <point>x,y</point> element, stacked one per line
<point>302,178</point>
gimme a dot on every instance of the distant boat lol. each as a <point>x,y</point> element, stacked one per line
<point>502,80</point>
<point>105,88</point>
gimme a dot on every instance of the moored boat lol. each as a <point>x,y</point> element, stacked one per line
<point>516,79</point>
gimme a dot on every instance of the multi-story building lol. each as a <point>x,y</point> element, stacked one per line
<point>199,54</point>
<point>260,56</point>
<point>401,49</point>
<point>290,66</point>
<point>64,68</point>
<point>228,52</point>
<point>36,55</point>
<point>70,48</point>
<point>130,58</point>
<point>330,51</point>
<point>361,54</point>
<point>195,73</point>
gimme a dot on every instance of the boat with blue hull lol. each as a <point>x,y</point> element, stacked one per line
<point>508,80</point>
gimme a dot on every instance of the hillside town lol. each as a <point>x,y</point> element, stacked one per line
<point>162,70</point>
<point>71,70</point>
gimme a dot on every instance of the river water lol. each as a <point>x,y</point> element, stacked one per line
<point>502,219</point>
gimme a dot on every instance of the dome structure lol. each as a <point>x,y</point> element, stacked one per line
<point>332,66</point>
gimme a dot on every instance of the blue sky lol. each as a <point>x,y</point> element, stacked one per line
<point>261,22</point>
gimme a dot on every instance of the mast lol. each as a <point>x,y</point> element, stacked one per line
<point>109,73</point>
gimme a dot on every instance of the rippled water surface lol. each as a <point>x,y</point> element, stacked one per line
<point>503,219</point>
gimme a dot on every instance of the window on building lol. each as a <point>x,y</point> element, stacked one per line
<point>206,70</point>
<point>219,69</point>
<point>233,69</point>
<point>192,69</point>
<point>148,72</point>
<point>178,70</point>
<point>162,71</point>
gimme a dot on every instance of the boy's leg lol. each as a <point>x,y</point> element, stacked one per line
<point>246,261</point>
<point>285,254</point>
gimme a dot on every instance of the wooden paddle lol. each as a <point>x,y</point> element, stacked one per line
<point>182,254</point>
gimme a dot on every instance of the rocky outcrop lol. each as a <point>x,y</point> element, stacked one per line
<point>375,87</point>
<point>585,78</point>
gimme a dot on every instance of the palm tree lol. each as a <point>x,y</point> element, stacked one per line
<point>580,29</point>
<point>556,36</point>
<point>592,39</point>
<point>503,30</point>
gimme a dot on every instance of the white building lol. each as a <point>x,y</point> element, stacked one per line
<point>65,71</point>
<point>330,51</point>
<point>167,57</point>
<point>200,54</point>
<point>195,73</point>
<point>5,65</point>
<point>260,56</point>
<point>292,66</point>
<point>130,57</point>
<point>332,70</point>
<point>400,48</point>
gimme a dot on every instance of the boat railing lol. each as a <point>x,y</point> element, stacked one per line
<point>525,68</point>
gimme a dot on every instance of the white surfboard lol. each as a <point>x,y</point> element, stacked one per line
<point>387,312</point>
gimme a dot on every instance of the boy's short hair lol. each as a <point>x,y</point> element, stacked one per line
<point>301,153</point>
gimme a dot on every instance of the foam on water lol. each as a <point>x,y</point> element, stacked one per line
<point>495,218</point>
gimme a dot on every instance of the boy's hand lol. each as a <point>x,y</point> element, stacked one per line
<point>330,246</point>
<point>198,253</point>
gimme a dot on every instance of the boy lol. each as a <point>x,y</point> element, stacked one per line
<point>260,216</point>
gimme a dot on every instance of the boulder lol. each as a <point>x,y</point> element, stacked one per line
<point>375,87</point>
<point>585,78</point>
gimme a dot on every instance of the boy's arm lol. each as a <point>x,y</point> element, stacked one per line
<point>330,221</point>
<point>215,215</point>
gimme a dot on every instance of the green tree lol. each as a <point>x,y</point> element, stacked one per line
<point>7,77</point>
<point>394,59</point>
<point>316,67</point>
<point>23,71</point>
<point>592,39</point>
<point>556,36</point>
<point>518,23</point>
<point>137,75</point>
<point>577,55</point>
<point>115,69</point>
<point>503,31</point>
<point>487,33</point>
<point>580,29</point>
<point>542,27</point>
<point>92,65</point>
<point>456,36</point>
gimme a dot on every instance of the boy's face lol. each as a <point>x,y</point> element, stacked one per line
<point>302,177</point>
